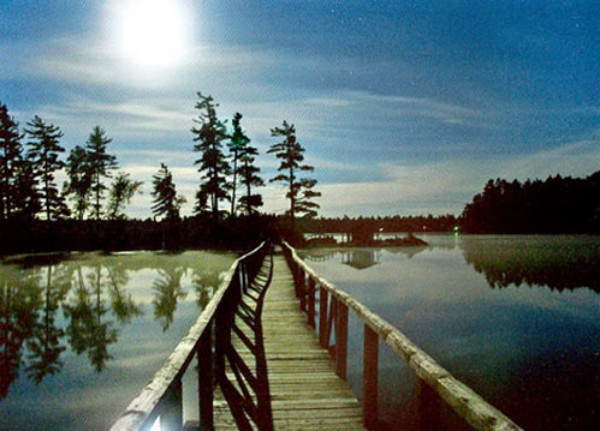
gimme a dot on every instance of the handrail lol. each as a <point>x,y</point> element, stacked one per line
<point>166,383</point>
<point>481,415</point>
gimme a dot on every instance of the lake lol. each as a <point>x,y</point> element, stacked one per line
<point>82,334</point>
<point>514,317</point>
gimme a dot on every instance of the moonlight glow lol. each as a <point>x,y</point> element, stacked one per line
<point>152,32</point>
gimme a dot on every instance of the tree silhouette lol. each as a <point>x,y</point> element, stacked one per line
<point>100,165</point>
<point>237,142</point>
<point>299,190</point>
<point>247,170</point>
<point>10,156</point>
<point>166,202</point>
<point>26,201</point>
<point>121,192</point>
<point>212,164</point>
<point>79,184</point>
<point>43,152</point>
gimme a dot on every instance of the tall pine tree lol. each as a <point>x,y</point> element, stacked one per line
<point>299,190</point>
<point>100,166</point>
<point>237,143</point>
<point>43,153</point>
<point>166,202</point>
<point>79,183</point>
<point>212,164</point>
<point>11,152</point>
<point>122,190</point>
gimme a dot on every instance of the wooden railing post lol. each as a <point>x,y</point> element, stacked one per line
<point>302,288</point>
<point>428,407</point>
<point>323,334</point>
<point>341,338</point>
<point>205,380</point>
<point>172,416</point>
<point>370,377</point>
<point>311,302</point>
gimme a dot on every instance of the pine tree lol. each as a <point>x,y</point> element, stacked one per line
<point>79,184</point>
<point>299,190</point>
<point>238,141</point>
<point>100,165</point>
<point>212,164</point>
<point>249,178</point>
<point>43,153</point>
<point>166,201</point>
<point>11,152</point>
<point>121,192</point>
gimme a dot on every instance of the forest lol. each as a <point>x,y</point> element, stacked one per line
<point>88,212</point>
<point>552,206</point>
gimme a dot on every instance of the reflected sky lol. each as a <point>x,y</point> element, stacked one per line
<point>81,334</point>
<point>513,317</point>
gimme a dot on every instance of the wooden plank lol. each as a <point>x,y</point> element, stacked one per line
<point>305,392</point>
<point>370,368</point>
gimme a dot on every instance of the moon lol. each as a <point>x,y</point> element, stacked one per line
<point>152,33</point>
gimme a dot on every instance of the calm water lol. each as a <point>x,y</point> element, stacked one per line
<point>81,335</point>
<point>516,318</point>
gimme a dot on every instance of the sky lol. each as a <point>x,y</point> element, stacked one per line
<point>403,107</point>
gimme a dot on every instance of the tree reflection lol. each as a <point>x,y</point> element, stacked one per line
<point>205,283</point>
<point>92,292</point>
<point>168,292</point>
<point>88,331</point>
<point>45,345</point>
<point>122,303</point>
<point>555,265</point>
<point>19,302</point>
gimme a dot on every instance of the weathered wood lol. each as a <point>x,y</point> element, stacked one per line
<point>310,297</point>
<point>370,376</point>
<point>301,286</point>
<point>341,339</point>
<point>428,407</point>
<point>304,389</point>
<point>205,380</point>
<point>141,411</point>
<point>464,401</point>
<point>323,340</point>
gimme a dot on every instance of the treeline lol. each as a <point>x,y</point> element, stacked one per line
<point>31,200</point>
<point>556,205</point>
<point>429,223</point>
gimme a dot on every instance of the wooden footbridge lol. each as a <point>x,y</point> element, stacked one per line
<point>271,351</point>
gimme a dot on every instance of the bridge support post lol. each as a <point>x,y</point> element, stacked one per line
<point>323,334</point>
<point>311,302</point>
<point>341,338</point>
<point>205,380</point>
<point>370,376</point>
<point>428,407</point>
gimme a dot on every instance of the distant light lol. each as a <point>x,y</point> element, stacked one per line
<point>152,32</point>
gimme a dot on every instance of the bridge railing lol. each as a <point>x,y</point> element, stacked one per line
<point>434,382</point>
<point>162,397</point>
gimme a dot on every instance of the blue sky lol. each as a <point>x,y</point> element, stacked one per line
<point>404,107</point>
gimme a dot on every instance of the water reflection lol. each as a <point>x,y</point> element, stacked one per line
<point>557,264</point>
<point>168,292</point>
<point>50,304</point>
<point>361,259</point>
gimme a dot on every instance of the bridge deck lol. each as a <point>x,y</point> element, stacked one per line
<point>305,391</point>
